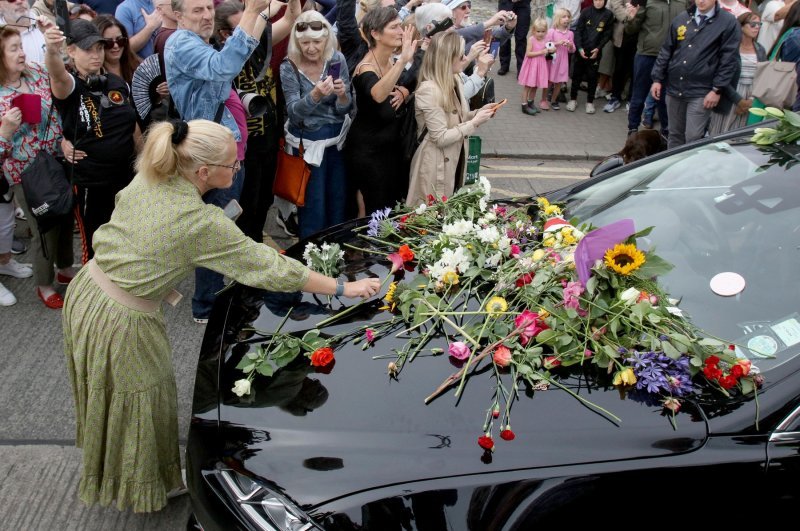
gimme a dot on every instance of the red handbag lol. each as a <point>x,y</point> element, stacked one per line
<point>291,176</point>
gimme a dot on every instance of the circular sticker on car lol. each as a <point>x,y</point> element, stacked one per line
<point>727,284</point>
<point>763,345</point>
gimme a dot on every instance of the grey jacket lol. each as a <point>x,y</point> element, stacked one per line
<point>695,59</point>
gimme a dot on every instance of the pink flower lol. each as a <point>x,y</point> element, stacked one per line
<point>515,251</point>
<point>572,291</point>
<point>551,362</point>
<point>370,334</point>
<point>397,262</point>
<point>672,404</point>
<point>588,353</point>
<point>459,350</point>
<point>532,325</point>
<point>502,356</point>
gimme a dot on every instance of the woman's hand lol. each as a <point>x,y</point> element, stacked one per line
<point>340,90</point>
<point>364,288</point>
<point>398,96</point>
<point>53,37</point>
<point>484,114</point>
<point>485,62</point>
<point>323,88</point>
<point>70,153</point>
<point>409,46</point>
<point>476,50</point>
<point>162,89</point>
<point>10,122</point>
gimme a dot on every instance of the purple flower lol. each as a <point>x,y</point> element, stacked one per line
<point>459,350</point>
<point>572,292</point>
<point>377,218</point>
<point>658,373</point>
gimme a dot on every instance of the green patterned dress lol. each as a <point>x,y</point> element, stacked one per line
<point>119,359</point>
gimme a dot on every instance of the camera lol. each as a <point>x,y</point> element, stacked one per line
<point>439,26</point>
<point>255,105</point>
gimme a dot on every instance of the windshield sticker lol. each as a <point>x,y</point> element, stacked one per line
<point>763,346</point>
<point>727,284</point>
<point>788,331</point>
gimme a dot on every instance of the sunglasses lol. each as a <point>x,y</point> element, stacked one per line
<point>314,26</point>
<point>119,41</point>
<point>465,6</point>
<point>754,24</point>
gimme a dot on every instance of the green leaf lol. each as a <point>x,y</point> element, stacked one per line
<point>254,355</point>
<point>472,272</point>
<point>653,267</point>
<point>310,336</point>
<point>792,117</point>
<point>711,342</point>
<point>266,369</point>
<point>524,370</point>
<point>682,339</point>
<point>695,361</point>
<point>591,285</point>
<point>613,327</point>
<point>249,367</point>
<point>610,351</point>
<point>654,318</point>
<point>546,336</point>
<point>747,386</point>
<point>669,350</point>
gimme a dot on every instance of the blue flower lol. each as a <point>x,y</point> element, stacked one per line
<point>377,219</point>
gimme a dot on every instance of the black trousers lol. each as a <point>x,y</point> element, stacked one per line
<point>584,70</point>
<point>260,161</point>
<point>94,207</point>
<point>522,9</point>
<point>623,65</point>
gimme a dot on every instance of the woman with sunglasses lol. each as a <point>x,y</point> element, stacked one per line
<point>119,59</point>
<point>735,100</point>
<point>99,122</point>
<point>316,87</point>
<point>116,347</point>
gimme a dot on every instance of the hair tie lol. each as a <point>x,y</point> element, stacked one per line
<point>181,129</point>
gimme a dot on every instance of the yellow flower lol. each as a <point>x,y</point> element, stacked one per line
<point>624,377</point>
<point>543,314</point>
<point>549,242</point>
<point>496,305</point>
<point>389,297</point>
<point>624,258</point>
<point>451,277</point>
<point>552,210</point>
<point>538,254</point>
<point>566,231</point>
<point>543,202</point>
<point>569,239</point>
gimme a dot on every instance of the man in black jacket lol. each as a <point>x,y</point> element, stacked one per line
<point>592,32</point>
<point>698,60</point>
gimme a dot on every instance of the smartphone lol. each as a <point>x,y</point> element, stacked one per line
<point>494,48</point>
<point>487,37</point>
<point>500,104</point>
<point>335,70</point>
<point>233,209</point>
<point>439,26</point>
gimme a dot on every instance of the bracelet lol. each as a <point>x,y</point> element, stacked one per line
<point>264,16</point>
<point>339,287</point>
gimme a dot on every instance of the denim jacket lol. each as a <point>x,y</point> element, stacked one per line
<point>199,78</point>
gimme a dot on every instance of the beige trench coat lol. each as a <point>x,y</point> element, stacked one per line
<point>435,164</point>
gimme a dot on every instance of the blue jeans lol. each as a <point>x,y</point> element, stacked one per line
<point>326,192</point>
<point>206,282</point>
<point>649,110</point>
<point>640,88</point>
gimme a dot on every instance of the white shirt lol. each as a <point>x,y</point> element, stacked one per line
<point>33,42</point>
<point>770,28</point>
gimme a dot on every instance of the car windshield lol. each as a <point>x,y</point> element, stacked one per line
<point>721,207</point>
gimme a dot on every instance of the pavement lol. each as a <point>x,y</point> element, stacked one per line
<point>39,465</point>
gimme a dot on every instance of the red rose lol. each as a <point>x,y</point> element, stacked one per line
<point>712,360</point>
<point>507,435</point>
<point>322,357</point>
<point>737,371</point>
<point>712,372</point>
<point>405,253</point>
<point>726,382</point>
<point>486,442</point>
<point>527,278</point>
<point>551,362</point>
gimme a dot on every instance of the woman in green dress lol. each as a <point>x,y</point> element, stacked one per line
<point>118,355</point>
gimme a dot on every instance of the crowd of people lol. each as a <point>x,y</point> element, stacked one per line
<point>167,112</point>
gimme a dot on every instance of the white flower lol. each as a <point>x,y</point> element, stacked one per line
<point>461,227</point>
<point>421,208</point>
<point>489,234</point>
<point>482,204</point>
<point>310,248</point>
<point>504,244</point>
<point>493,260</point>
<point>486,185</point>
<point>630,296</point>
<point>241,387</point>
<point>326,246</point>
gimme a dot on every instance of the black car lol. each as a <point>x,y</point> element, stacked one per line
<point>353,448</point>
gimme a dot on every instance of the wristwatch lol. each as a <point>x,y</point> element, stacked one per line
<point>339,287</point>
<point>716,90</point>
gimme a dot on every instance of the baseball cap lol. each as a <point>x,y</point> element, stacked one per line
<point>453,4</point>
<point>83,34</point>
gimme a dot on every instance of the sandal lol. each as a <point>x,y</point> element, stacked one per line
<point>54,301</point>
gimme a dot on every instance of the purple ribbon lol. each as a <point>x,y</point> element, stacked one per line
<point>594,245</point>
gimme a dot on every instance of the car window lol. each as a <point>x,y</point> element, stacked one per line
<point>718,208</point>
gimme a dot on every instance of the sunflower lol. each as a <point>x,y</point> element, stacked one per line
<point>391,304</point>
<point>624,258</point>
<point>496,305</point>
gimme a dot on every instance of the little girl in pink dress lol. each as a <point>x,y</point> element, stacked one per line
<point>564,39</point>
<point>534,74</point>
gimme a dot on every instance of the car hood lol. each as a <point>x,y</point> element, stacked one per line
<point>317,437</point>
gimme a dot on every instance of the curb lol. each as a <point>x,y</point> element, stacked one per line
<point>546,156</point>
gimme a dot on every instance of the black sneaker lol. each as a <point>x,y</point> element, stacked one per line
<point>503,71</point>
<point>289,225</point>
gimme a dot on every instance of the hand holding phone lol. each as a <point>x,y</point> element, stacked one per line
<point>335,70</point>
<point>494,48</point>
<point>487,37</point>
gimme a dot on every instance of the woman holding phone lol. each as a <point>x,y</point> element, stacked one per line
<point>443,116</point>
<point>316,86</point>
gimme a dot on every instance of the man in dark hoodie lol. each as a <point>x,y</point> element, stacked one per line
<point>698,60</point>
<point>592,32</point>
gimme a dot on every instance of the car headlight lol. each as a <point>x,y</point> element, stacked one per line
<point>265,508</point>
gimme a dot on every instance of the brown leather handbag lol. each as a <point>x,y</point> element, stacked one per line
<point>291,176</point>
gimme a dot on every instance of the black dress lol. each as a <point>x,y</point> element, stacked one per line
<point>375,161</point>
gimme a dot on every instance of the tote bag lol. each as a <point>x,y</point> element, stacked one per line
<point>775,82</point>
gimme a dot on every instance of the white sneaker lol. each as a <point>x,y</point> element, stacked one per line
<point>19,214</point>
<point>590,108</point>
<point>600,93</point>
<point>15,269</point>
<point>572,105</point>
<point>6,297</point>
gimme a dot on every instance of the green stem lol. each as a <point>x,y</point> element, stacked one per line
<point>372,251</point>
<point>616,419</point>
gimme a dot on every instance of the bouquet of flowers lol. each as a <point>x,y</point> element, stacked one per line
<point>536,296</point>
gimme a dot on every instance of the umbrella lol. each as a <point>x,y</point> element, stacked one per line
<point>146,78</point>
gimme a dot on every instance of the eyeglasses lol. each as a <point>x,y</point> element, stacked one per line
<point>234,167</point>
<point>465,6</point>
<point>754,24</point>
<point>314,26</point>
<point>119,41</point>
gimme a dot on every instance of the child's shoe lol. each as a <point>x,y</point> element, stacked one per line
<point>530,111</point>
<point>554,105</point>
<point>590,108</point>
<point>544,106</point>
<point>572,105</point>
